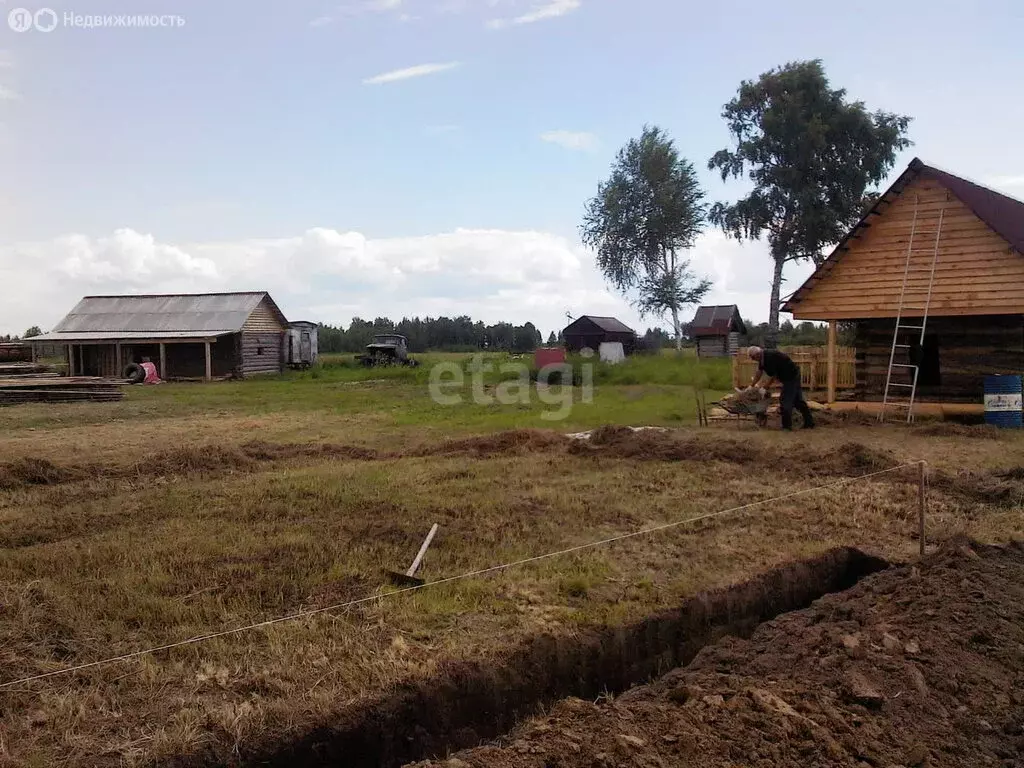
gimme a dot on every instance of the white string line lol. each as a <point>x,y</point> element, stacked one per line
<point>447,580</point>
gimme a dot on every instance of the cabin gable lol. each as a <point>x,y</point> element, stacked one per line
<point>978,272</point>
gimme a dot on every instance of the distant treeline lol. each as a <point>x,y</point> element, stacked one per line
<point>462,334</point>
<point>459,334</point>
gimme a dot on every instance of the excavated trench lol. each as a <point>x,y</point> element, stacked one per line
<point>468,703</point>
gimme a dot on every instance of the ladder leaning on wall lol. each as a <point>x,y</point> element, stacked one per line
<point>906,400</point>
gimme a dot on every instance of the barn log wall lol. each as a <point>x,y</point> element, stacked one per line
<point>977,271</point>
<point>712,346</point>
<point>969,348</point>
<point>262,341</point>
<point>262,353</point>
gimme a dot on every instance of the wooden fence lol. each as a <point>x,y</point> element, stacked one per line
<point>813,362</point>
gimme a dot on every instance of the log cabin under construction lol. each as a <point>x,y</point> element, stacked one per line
<point>188,336</point>
<point>958,248</point>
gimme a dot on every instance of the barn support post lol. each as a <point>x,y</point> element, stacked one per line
<point>209,367</point>
<point>163,360</point>
<point>831,361</point>
<point>69,353</point>
<point>117,359</point>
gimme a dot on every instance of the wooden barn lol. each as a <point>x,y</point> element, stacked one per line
<point>590,330</point>
<point>717,330</point>
<point>188,336</point>
<point>940,252</point>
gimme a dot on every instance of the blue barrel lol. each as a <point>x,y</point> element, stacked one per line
<point>1003,396</point>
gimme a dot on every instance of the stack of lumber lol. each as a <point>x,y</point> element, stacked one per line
<point>59,389</point>
<point>20,370</point>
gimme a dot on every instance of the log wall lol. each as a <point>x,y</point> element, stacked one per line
<point>977,271</point>
<point>262,352</point>
<point>969,348</point>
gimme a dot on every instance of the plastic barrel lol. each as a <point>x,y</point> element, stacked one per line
<point>1003,396</point>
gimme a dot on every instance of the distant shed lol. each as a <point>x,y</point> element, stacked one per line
<point>717,330</point>
<point>203,335</point>
<point>588,331</point>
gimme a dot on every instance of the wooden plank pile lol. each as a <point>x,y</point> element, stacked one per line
<point>59,389</point>
<point>21,370</point>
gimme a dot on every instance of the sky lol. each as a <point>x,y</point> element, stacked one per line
<point>428,157</point>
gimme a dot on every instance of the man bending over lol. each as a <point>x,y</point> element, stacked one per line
<point>778,366</point>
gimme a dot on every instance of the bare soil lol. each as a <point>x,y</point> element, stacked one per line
<point>921,665</point>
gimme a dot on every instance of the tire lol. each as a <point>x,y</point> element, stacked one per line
<point>135,373</point>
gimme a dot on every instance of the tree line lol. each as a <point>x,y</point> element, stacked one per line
<point>446,334</point>
<point>812,158</point>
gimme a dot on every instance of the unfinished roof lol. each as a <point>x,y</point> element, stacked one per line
<point>717,320</point>
<point>610,324</point>
<point>1002,214</point>
<point>198,315</point>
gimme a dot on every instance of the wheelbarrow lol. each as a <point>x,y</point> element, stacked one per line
<point>740,407</point>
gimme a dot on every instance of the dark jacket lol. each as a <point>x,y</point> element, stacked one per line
<point>778,365</point>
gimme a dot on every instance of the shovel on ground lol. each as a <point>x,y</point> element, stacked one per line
<point>409,579</point>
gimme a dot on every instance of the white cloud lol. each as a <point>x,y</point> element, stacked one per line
<point>1011,185</point>
<point>547,10</point>
<point>331,276</point>
<point>577,140</point>
<point>420,70</point>
<point>8,94</point>
<point>323,274</point>
<point>6,60</point>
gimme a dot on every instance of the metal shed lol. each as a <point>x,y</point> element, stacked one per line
<point>301,339</point>
<point>203,335</point>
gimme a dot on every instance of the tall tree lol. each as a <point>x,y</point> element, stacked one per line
<point>811,156</point>
<point>35,330</point>
<point>649,211</point>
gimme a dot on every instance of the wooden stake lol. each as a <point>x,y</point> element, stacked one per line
<point>921,507</point>
<point>831,361</point>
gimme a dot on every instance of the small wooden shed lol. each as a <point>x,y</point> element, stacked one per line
<point>965,263</point>
<point>717,330</point>
<point>201,336</point>
<point>588,331</point>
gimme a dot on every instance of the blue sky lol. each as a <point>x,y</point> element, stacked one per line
<point>271,146</point>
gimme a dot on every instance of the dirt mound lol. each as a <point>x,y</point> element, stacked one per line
<point>32,471</point>
<point>999,487</point>
<point>511,441</point>
<point>949,429</point>
<point>914,666</point>
<point>652,445</point>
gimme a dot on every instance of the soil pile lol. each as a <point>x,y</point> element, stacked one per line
<point>914,666</point>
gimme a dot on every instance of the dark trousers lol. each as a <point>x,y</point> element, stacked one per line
<point>793,396</point>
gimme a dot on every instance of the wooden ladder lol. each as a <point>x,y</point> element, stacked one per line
<point>907,400</point>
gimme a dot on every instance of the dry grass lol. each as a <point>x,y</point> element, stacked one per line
<point>113,541</point>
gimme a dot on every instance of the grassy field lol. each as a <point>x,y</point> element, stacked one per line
<point>188,509</point>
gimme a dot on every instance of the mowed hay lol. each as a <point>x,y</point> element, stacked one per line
<point>32,471</point>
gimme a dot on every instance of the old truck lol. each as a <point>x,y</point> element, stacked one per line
<point>387,349</point>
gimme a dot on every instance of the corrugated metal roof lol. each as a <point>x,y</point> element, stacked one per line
<point>1004,214</point>
<point>204,313</point>
<point>610,324</point>
<point>87,336</point>
<point>717,321</point>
